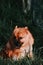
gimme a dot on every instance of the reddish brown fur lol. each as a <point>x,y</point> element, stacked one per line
<point>26,40</point>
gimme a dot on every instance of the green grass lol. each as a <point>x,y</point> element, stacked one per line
<point>25,61</point>
<point>6,31</point>
<point>10,16</point>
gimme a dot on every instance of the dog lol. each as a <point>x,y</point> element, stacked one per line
<point>24,46</point>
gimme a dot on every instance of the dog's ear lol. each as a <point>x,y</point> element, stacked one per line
<point>16,26</point>
<point>26,27</point>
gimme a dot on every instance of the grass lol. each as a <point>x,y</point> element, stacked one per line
<point>37,50</point>
<point>11,16</point>
<point>25,61</point>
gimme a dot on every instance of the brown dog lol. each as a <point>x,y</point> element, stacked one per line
<point>26,41</point>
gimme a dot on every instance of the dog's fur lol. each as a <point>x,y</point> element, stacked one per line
<point>24,40</point>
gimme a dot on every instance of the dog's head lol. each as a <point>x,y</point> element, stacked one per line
<point>20,32</point>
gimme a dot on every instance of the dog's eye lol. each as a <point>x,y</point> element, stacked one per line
<point>20,38</point>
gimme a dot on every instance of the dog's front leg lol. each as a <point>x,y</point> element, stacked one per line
<point>30,53</point>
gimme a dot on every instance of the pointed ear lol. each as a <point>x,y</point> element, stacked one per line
<point>16,26</point>
<point>26,27</point>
